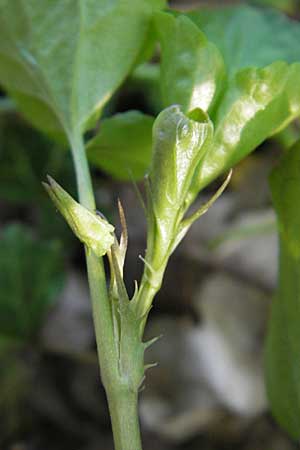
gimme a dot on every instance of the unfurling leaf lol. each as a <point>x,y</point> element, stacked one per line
<point>93,231</point>
<point>179,144</point>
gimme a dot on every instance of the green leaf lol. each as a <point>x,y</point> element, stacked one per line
<point>63,59</point>
<point>23,164</point>
<point>257,104</point>
<point>31,276</point>
<point>192,69</point>
<point>285,184</point>
<point>123,145</point>
<point>249,36</point>
<point>283,341</point>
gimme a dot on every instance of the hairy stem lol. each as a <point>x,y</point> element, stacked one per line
<point>123,405</point>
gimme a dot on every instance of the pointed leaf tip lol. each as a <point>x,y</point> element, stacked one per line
<point>92,230</point>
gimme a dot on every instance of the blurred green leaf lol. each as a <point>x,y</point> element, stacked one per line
<point>31,276</point>
<point>62,59</point>
<point>123,145</point>
<point>15,383</point>
<point>25,158</point>
<point>283,342</point>
<point>285,185</point>
<point>257,104</point>
<point>249,36</point>
<point>192,69</point>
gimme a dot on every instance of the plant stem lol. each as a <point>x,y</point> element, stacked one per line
<point>83,176</point>
<point>122,399</point>
<point>148,289</point>
<point>123,408</point>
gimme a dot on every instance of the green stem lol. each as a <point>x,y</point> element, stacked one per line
<point>150,285</point>
<point>148,289</point>
<point>83,176</point>
<point>122,406</point>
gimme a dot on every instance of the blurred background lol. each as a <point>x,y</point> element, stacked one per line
<point>208,390</point>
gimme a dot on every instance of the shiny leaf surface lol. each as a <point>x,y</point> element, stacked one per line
<point>257,104</point>
<point>192,69</point>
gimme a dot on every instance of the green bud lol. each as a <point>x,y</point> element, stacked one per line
<point>179,143</point>
<point>93,231</point>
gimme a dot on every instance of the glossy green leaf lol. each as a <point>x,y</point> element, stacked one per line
<point>31,276</point>
<point>257,104</point>
<point>123,145</point>
<point>283,342</point>
<point>249,36</point>
<point>192,69</point>
<point>62,59</point>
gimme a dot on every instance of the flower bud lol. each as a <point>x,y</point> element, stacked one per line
<point>93,231</point>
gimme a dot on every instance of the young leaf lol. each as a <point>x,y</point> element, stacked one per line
<point>283,342</point>
<point>249,36</point>
<point>179,143</point>
<point>91,229</point>
<point>123,145</point>
<point>62,59</point>
<point>192,69</point>
<point>257,104</point>
<point>31,276</point>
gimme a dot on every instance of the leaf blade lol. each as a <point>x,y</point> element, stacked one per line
<point>192,69</point>
<point>275,38</point>
<point>73,65</point>
<point>258,103</point>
